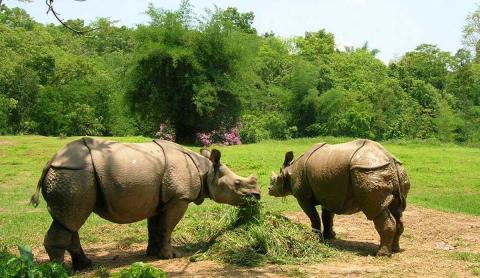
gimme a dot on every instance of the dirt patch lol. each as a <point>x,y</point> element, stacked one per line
<point>7,143</point>
<point>430,239</point>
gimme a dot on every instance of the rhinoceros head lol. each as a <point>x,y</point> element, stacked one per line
<point>280,184</point>
<point>227,187</point>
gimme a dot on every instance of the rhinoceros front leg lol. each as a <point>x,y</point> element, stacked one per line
<point>327,219</point>
<point>160,230</point>
<point>308,206</point>
<point>386,227</point>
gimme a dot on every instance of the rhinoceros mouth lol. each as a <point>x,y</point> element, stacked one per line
<point>256,195</point>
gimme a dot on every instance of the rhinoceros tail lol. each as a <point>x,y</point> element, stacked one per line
<point>403,183</point>
<point>35,199</point>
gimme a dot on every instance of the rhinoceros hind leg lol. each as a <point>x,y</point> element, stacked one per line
<point>327,219</point>
<point>56,242</point>
<point>161,228</point>
<point>396,208</point>
<point>58,239</point>
<point>79,260</point>
<point>386,228</point>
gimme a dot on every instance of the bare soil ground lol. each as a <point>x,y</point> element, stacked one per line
<point>430,240</point>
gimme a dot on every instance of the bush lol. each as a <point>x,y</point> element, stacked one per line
<point>253,131</point>
<point>166,132</point>
<point>141,270</point>
<point>316,129</point>
<point>23,266</point>
<point>223,136</point>
<point>256,128</point>
<point>83,121</point>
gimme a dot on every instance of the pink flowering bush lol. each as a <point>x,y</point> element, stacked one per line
<point>166,132</point>
<point>223,136</point>
<point>204,138</point>
<point>232,137</point>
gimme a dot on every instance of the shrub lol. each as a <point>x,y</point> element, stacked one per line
<point>256,128</point>
<point>204,138</point>
<point>316,129</point>
<point>253,130</point>
<point>232,137</point>
<point>223,136</point>
<point>83,121</point>
<point>166,132</point>
<point>141,270</point>
<point>23,266</point>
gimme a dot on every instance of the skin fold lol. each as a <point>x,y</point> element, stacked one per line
<point>344,179</point>
<point>126,183</point>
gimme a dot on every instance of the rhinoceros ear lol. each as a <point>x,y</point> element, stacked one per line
<point>215,157</point>
<point>205,152</point>
<point>288,158</point>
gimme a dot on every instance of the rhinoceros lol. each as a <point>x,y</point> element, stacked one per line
<point>125,183</point>
<point>344,179</point>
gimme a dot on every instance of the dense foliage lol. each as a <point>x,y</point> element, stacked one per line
<point>12,266</point>
<point>211,74</point>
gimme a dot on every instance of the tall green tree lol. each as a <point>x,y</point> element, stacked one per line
<point>190,76</point>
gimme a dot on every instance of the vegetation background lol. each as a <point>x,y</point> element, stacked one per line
<point>205,76</point>
<point>212,78</point>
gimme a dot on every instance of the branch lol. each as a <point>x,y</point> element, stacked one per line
<point>51,9</point>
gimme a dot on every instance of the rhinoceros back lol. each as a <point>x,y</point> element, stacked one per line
<point>328,174</point>
<point>138,179</point>
<point>129,179</point>
<point>73,156</point>
<point>358,175</point>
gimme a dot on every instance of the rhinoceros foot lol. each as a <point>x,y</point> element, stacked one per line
<point>165,253</point>
<point>384,252</point>
<point>327,235</point>
<point>395,247</point>
<point>81,263</point>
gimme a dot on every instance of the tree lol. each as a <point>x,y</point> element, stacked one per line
<point>232,18</point>
<point>315,45</point>
<point>471,33</point>
<point>427,63</point>
<point>190,77</point>
<point>464,84</point>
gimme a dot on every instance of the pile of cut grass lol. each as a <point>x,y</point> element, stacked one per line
<point>251,236</point>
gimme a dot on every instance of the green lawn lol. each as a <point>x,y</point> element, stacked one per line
<point>442,176</point>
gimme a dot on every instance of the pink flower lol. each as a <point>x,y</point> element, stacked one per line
<point>204,138</point>
<point>165,132</point>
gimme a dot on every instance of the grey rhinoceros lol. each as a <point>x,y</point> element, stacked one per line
<point>125,183</point>
<point>344,179</point>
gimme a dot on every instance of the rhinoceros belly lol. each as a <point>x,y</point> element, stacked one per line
<point>129,177</point>
<point>328,174</point>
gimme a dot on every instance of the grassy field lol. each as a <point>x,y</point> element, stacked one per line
<point>444,177</point>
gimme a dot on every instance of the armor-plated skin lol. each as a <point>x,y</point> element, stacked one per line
<point>345,179</point>
<point>125,183</point>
